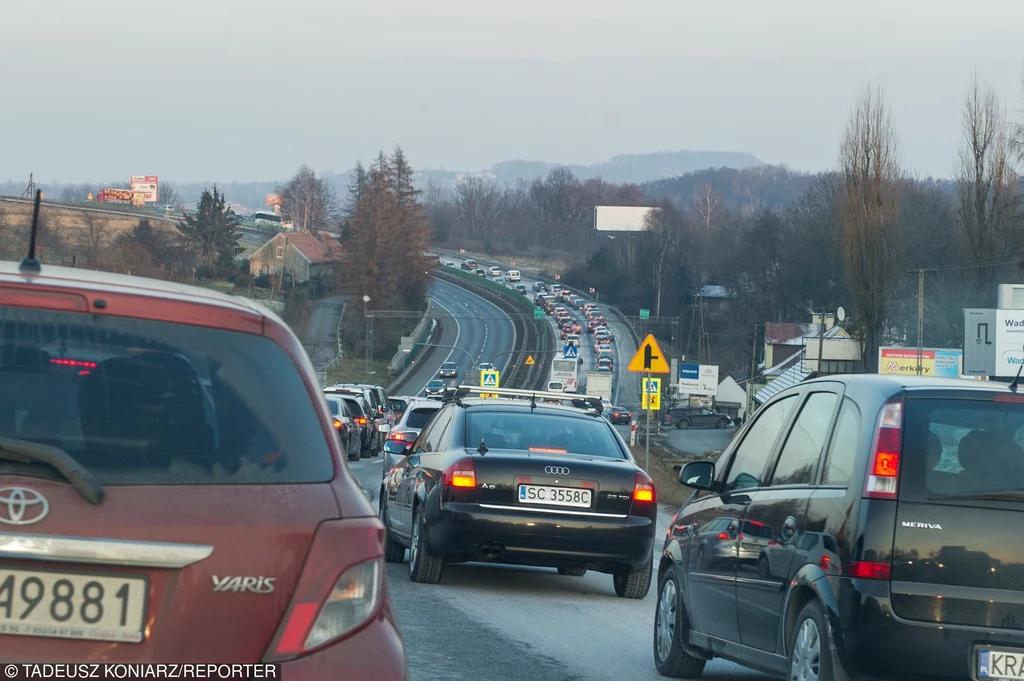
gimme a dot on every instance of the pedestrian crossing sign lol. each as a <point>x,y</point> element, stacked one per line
<point>489,379</point>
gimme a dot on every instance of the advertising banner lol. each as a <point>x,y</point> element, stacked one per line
<point>115,196</point>
<point>940,362</point>
<point>147,184</point>
<point>689,378</point>
<point>274,200</point>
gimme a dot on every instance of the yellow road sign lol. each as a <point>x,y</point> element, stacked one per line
<point>529,360</point>
<point>651,394</point>
<point>649,357</point>
<point>489,379</point>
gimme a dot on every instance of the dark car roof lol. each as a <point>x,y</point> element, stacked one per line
<point>897,382</point>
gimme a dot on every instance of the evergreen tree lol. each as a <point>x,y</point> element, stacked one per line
<point>212,232</point>
<point>401,178</point>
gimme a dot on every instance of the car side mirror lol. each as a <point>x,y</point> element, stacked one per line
<point>384,427</point>
<point>698,475</point>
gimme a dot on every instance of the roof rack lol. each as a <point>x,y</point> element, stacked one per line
<point>579,401</point>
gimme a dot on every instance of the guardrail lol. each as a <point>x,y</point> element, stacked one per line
<point>421,334</point>
<point>337,339</point>
<point>423,350</point>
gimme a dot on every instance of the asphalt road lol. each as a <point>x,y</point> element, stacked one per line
<point>479,330</point>
<point>500,622</point>
<point>319,339</point>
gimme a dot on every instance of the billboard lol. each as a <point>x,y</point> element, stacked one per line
<point>940,362</point>
<point>147,184</point>
<point>115,196</point>
<point>698,379</point>
<point>274,200</point>
<point>621,218</point>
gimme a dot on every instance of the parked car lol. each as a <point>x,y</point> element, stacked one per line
<point>699,417</point>
<point>345,426</point>
<point>860,527</point>
<point>181,486</point>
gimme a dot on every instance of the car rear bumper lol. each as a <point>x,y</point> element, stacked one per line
<point>877,644</point>
<point>351,658</point>
<point>474,532</point>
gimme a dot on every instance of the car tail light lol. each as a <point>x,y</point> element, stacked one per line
<point>643,488</point>
<point>361,420</point>
<point>870,570</point>
<point>883,471</point>
<point>460,474</point>
<point>723,536</point>
<point>337,424</point>
<point>398,435</point>
<point>340,590</point>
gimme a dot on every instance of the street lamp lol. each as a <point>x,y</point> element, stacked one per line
<point>369,337</point>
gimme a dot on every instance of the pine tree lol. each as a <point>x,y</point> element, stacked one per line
<point>212,232</point>
<point>402,174</point>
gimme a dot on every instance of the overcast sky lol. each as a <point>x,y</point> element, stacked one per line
<point>250,89</point>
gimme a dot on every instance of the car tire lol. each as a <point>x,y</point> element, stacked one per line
<point>364,453</point>
<point>682,423</point>
<point>393,551</point>
<point>722,423</point>
<point>572,572</point>
<point>810,645</point>
<point>670,628</point>
<point>353,456</point>
<point>634,581</point>
<point>764,569</point>
<point>423,567</point>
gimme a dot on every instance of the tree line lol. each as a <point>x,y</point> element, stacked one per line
<point>782,243</point>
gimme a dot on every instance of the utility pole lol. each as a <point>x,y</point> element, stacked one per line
<point>647,437</point>
<point>920,318</point>
<point>750,378</point>
<point>821,340</point>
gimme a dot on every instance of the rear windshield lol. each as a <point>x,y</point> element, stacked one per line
<point>398,405</point>
<point>957,447</point>
<point>419,417</point>
<point>354,406</point>
<point>145,402</point>
<point>542,433</point>
<point>334,405</point>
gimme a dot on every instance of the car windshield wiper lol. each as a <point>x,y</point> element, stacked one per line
<point>992,495</point>
<point>26,451</point>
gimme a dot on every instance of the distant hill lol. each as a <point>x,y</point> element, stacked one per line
<point>635,168</point>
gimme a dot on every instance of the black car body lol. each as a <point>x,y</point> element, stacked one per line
<point>448,370</point>
<point>618,415</point>
<point>868,526</point>
<point>508,481</point>
<point>697,417</point>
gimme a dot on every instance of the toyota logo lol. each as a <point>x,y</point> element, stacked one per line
<point>556,470</point>
<point>21,506</point>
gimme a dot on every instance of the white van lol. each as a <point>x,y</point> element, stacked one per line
<point>514,275</point>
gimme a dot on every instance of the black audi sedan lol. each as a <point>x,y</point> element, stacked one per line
<point>516,480</point>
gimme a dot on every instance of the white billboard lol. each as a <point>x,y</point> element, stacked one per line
<point>698,379</point>
<point>1009,342</point>
<point>621,218</point>
<point>708,379</point>
<point>147,185</point>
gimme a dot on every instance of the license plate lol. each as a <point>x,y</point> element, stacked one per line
<point>1000,664</point>
<point>554,496</point>
<point>78,605</point>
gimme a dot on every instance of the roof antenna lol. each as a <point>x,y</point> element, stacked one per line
<point>30,264</point>
<point>1016,381</point>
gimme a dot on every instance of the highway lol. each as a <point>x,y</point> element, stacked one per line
<point>481,331</point>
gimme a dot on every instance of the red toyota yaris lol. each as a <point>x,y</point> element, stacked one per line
<point>171,489</point>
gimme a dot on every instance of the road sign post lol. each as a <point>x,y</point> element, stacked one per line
<point>570,351</point>
<point>648,359</point>
<point>489,379</point>
<point>645,314</point>
<point>651,401</point>
<point>538,313</point>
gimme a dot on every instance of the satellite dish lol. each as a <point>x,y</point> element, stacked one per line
<point>840,314</point>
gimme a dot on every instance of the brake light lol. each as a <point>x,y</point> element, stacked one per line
<point>72,363</point>
<point>883,472</point>
<point>643,488</point>
<point>546,450</point>
<point>460,474</point>
<point>398,435</point>
<point>337,424</point>
<point>722,536</point>
<point>361,420</point>
<point>340,590</point>
<point>870,570</point>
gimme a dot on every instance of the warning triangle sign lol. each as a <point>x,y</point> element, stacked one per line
<point>529,360</point>
<point>649,357</point>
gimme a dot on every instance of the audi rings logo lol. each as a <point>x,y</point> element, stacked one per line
<point>556,470</point>
<point>22,506</point>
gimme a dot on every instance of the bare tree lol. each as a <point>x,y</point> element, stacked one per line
<point>706,206</point>
<point>666,230</point>
<point>77,193</point>
<point>309,201</point>
<point>867,214</point>
<point>479,207</point>
<point>988,188</point>
<point>1018,129</point>
<point>92,238</point>
<point>168,195</point>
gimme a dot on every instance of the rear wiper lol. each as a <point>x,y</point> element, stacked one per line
<point>26,451</point>
<point>994,495</point>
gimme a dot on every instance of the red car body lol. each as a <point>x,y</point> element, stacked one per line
<point>303,536</point>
